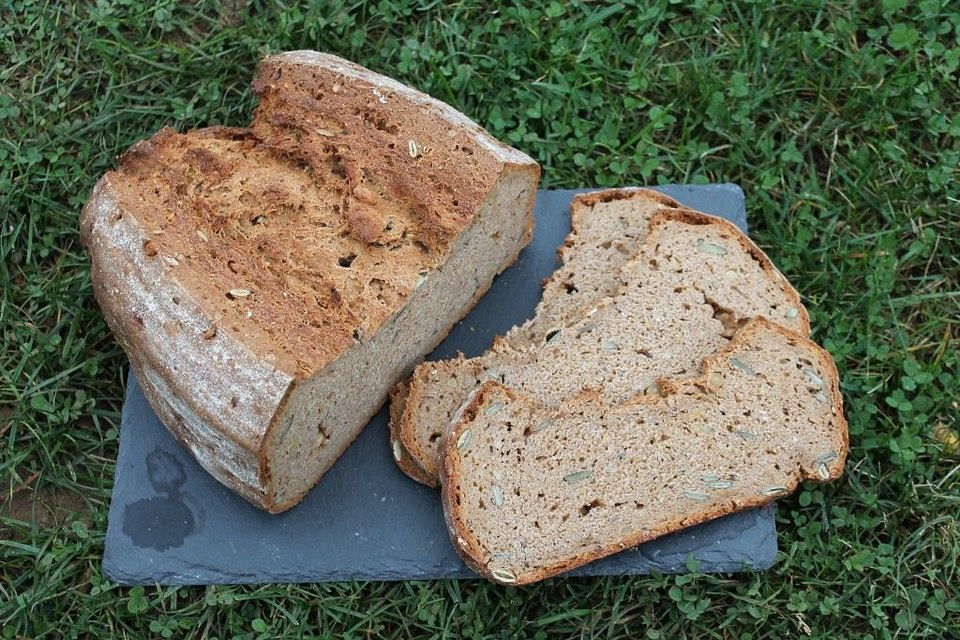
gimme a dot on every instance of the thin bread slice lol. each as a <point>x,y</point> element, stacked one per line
<point>695,276</point>
<point>531,491</point>
<point>607,228</point>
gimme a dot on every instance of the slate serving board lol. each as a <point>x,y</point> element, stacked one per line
<point>171,523</point>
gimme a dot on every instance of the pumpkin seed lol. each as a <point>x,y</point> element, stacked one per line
<point>497,495</point>
<point>745,368</point>
<point>711,248</point>
<point>815,380</point>
<point>492,409</point>
<point>504,575</point>
<point>697,495</point>
<point>793,312</point>
<point>546,424</point>
<point>577,476</point>
<point>551,335</point>
<point>464,440</point>
<point>720,484</point>
<point>412,148</point>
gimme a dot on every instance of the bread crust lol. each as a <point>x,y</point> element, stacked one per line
<point>220,392</point>
<point>470,549</point>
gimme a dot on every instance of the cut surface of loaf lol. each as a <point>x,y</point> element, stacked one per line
<point>693,281</point>
<point>530,491</point>
<point>270,283</point>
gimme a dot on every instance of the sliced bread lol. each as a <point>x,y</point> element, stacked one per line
<point>254,274</point>
<point>530,491</point>
<point>607,228</point>
<point>694,280</point>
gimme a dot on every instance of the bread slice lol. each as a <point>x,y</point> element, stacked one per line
<point>269,284</point>
<point>607,228</point>
<point>531,491</point>
<point>681,297</point>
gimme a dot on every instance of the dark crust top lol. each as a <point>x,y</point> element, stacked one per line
<point>469,547</point>
<point>303,233</point>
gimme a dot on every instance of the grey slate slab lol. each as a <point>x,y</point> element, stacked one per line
<point>171,523</point>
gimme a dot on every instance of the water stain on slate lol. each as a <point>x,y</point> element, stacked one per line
<point>164,521</point>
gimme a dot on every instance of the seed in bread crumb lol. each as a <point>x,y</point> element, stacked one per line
<point>171,261</point>
<point>711,248</point>
<point>202,235</point>
<point>397,451</point>
<point>792,313</point>
<point>815,380</point>
<point>610,345</point>
<point>324,132</point>
<point>709,478</point>
<point>492,409</point>
<point>504,575</point>
<point>745,435</point>
<point>210,332</point>
<point>551,335</point>
<point>653,389</point>
<point>497,495</point>
<point>238,293</point>
<point>697,495</point>
<point>774,490</point>
<point>720,484</point>
<point>716,380</point>
<point>412,149</point>
<point>577,476</point>
<point>743,366</point>
<point>821,397</point>
<point>464,440</point>
<point>545,424</point>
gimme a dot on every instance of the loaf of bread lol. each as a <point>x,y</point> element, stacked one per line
<point>693,280</point>
<point>531,490</point>
<point>271,283</point>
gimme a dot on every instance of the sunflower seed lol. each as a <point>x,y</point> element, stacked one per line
<point>793,312</point>
<point>773,490</point>
<point>201,235</point>
<point>745,435</point>
<point>823,471</point>
<point>551,335</point>
<point>709,478</point>
<point>697,495</point>
<point>492,409</point>
<point>743,366</point>
<point>464,440</point>
<point>720,484</point>
<point>504,575</point>
<point>710,247</point>
<point>326,133</point>
<point>171,261</point>
<point>397,452</point>
<point>821,398</point>
<point>610,345</point>
<point>412,148</point>
<point>577,476</point>
<point>490,374</point>
<point>653,389</point>
<point>497,495</point>
<point>238,293</point>
<point>715,379</point>
<point>420,280</point>
<point>546,424</point>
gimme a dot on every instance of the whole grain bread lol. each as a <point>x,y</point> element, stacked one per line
<point>694,280</point>
<point>530,491</point>
<point>253,275</point>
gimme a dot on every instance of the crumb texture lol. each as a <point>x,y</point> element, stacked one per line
<point>533,490</point>
<point>668,273</point>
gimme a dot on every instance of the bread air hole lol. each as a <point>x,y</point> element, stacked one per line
<point>347,260</point>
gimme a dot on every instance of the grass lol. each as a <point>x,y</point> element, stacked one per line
<point>838,119</point>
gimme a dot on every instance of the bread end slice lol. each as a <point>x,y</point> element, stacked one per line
<point>530,492</point>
